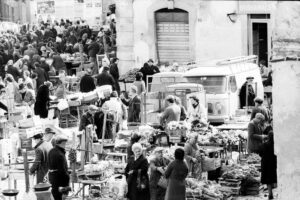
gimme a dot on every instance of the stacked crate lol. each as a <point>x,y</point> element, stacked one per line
<point>232,186</point>
<point>66,120</point>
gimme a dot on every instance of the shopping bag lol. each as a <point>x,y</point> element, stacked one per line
<point>118,185</point>
<point>163,182</point>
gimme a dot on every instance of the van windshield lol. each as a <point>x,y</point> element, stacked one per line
<point>212,84</point>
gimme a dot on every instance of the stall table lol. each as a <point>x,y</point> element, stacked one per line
<point>85,183</point>
<point>233,126</point>
<point>71,67</point>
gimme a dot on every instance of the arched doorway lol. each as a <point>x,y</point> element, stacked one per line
<point>172,36</point>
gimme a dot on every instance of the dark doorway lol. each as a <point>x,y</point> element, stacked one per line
<point>260,41</point>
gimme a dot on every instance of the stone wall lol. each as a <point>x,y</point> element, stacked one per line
<point>286,94</point>
<point>212,34</point>
<point>124,26</point>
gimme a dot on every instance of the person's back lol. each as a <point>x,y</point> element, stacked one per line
<point>58,63</point>
<point>105,79</point>
<point>179,171</point>
<point>260,109</point>
<point>14,72</point>
<point>139,83</point>
<point>140,86</point>
<point>45,66</point>
<point>45,147</point>
<point>87,83</point>
<point>172,113</point>
<point>41,76</point>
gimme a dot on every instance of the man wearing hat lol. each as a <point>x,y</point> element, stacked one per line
<point>58,167</point>
<point>49,136</point>
<point>260,108</point>
<point>40,166</point>
<point>243,93</point>
<point>149,69</point>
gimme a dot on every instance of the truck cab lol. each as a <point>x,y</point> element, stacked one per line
<point>222,81</point>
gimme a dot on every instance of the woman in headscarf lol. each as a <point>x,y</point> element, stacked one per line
<point>176,173</point>
<point>192,155</point>
<point>158,166</point>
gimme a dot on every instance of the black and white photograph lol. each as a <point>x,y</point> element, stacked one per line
<point>149,100</point>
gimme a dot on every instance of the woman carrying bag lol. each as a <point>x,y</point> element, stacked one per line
<point>136,173</point>
<point>158,183</point>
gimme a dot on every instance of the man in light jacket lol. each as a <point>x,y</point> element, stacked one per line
<point>40,166</point>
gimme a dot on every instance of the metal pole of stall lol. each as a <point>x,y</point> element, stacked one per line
<point>26,169</point>
<point>247,108</point>
<point>103,131</point>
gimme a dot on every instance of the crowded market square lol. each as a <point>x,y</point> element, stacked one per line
<point>149,100</point>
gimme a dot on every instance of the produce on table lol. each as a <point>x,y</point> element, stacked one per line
<point>130,75</point>
<point>253,159</point>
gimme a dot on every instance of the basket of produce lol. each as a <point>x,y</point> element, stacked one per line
<point>129,76</point>
<point>253,159</point>
<point>212,192</point>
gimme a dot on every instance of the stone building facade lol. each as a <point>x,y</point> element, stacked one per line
<point>286,95</point>
<point>15,11</point>
<point>185,31</point>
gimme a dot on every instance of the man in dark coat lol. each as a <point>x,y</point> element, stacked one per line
<point>58,167</point>
<point>105,78</point>
<point>93,49</point>
<point>149,69</point>
<point>114,71</point>
<point>13,70</point>
<point>42,76</point>
<point>251,93</point>
<point>255,134</point>
<point>87,82</point>
<point>134,105</point>
<point>58,63</point>
<point>260,108</point>
<point>42,149</point>
<point>45,65</point>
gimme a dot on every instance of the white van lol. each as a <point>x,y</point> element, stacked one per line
<point>222,81</point>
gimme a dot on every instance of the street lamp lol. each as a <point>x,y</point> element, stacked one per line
<point>170,4</point>
<point>232,17</point>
